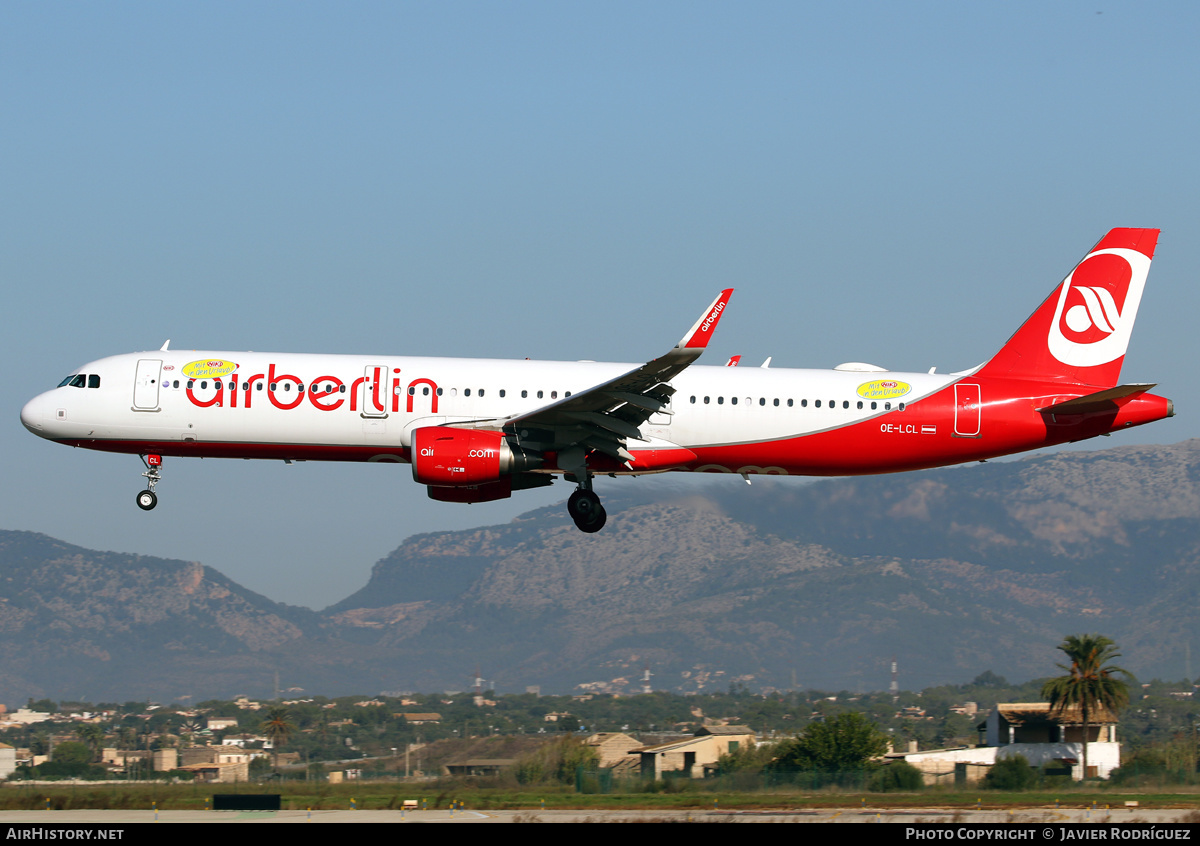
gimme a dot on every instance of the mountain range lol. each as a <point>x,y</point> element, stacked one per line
<point>781,584</point>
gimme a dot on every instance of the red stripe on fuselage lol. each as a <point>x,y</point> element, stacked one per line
<point>287,452</point>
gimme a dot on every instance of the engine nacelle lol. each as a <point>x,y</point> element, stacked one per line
<point>470,495</point>
<point>443,456</point>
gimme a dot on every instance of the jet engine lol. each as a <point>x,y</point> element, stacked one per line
<point>443,456</point>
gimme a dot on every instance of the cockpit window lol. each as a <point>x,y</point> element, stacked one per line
<point>81,380</point>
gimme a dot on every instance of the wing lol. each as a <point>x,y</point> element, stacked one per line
<point>603,417</point>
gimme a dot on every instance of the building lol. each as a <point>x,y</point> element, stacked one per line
<point>215,773</point>
<point>612,747</point>
<point>1030,729</point>
<point>8,760</point>
<point>693,756</point>
<point>479,766</point>
<point>1045,737</point>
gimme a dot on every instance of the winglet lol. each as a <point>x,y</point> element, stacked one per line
<point>698,336</point>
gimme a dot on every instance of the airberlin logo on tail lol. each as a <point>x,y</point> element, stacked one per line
<point>1097,306</point>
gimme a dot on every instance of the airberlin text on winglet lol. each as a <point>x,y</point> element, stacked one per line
<point>521,424</point>
<point>693,339</point>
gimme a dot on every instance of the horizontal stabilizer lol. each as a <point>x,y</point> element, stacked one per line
<point>1099,401</point>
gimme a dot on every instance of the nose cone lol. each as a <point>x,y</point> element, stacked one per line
<point>34,415</point>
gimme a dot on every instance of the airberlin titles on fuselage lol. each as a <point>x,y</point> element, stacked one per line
<point>286,391</point>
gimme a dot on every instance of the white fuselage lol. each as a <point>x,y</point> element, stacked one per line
<point>303,406</point>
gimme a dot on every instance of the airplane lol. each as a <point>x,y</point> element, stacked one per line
<point>478,430</point>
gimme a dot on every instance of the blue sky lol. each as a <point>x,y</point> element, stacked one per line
<point>899,183</point>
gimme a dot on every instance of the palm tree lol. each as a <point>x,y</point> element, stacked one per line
<point>93,736</point>
<point>278,728</point>
<point>1091,684</point>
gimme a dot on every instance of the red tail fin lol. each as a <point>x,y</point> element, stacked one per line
<point>1080,333</point>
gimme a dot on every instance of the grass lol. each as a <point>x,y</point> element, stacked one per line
<point>390,795</point>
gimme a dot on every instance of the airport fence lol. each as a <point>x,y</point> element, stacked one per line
<point>607,781</point>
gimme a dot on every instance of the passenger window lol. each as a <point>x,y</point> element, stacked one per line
<point>817,403</point>
<point>554,395</point>
<point>706,400</point>
<point>480,391</point>
<point>274,385</point>
<point>425,391</point>
<point>258,386</point>
<point>501,393</point>
<point>763,401</point>
<point>845,403</point>
<point>860,403</point>
<point>693,400</point>
<point>733,400</point>
<point>539,395</point>
<point>802,402</point>
<point>439,392</point>
<point>524,394</point>
<point>777,402</point>
<point>887,406</point>
<point>901,406</point>
<point>720,400</point>
<point>874,406</point>
<point>567,394</point>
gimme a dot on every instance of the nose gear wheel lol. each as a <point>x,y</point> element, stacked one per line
<point>147,499</point>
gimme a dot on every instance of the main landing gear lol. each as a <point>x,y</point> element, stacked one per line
<point>147,499</point>
<point>585,509</point>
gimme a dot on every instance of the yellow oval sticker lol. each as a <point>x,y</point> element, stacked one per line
<point>209,368</point>
<point>883,389</point>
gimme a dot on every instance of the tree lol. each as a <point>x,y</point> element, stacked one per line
<point>899,775</point>
<point>1011,773</point>
<point>1091,684</point>
<point>278,728</point>
<point>842,744</point>
<point>93,736</point>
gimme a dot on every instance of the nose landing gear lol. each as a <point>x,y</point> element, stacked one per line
<point>147,499</point>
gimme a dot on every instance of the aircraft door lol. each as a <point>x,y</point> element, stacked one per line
<point>145,384</point>
<point>967,411</point>
<point>375,395</point>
